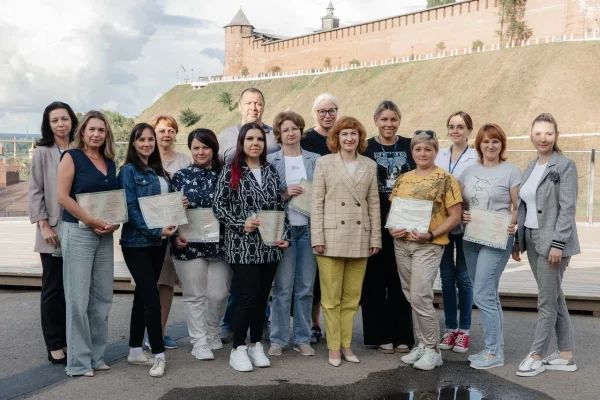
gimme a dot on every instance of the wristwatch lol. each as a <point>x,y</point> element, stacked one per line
<point>431,237</point>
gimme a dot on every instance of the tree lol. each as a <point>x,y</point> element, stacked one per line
<point>354,61</point>
<point>327,62</point>
<point>188,117</point>
<point>476,43</point>
<point>435,3</point>
<point>244,71</point>
<point>441,46</point>
<point>226,99</point>
<point>275,69</point>
<point>511,17</point>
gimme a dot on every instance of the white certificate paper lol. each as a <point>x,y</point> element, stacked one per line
<point>489,228</point>
<point>410,214</point>
<point>203,227</point>
<point>109,206</point>
<point>163,210</point>
<point>271,226</point>
<point>303,201</point>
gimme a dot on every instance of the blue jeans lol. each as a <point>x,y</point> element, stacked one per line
<point>295,275</point>
<point>486,265</point>
<point>232,302</point>
<point>455,275</point>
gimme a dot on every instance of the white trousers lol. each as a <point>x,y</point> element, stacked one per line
<point>205,292</point>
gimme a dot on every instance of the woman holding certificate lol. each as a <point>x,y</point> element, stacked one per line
<point>88,255</point>
<point>426,205</point>
<point>249,201</point>
<point>144,248</point>
<point>453,271</point>
<point>296,272</point>
<point>199,256</point>
<point>489,189</point>
<point>345,230</point>
<point>548,233</point>
<point>59,124</point>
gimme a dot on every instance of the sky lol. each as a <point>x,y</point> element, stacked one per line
<point>122,55</point>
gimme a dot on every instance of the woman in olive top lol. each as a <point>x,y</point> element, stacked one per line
<point>88,253</point>
<point>58,130</point>
<point>387,321</point>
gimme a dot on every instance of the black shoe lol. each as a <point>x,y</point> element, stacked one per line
<point>59,361</point>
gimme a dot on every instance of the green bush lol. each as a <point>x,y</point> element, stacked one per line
<point>188,117</point>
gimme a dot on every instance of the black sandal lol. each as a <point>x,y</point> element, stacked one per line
<point>315,334</point>
<point>58,361</point>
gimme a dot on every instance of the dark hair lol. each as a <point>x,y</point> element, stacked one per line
<point>133,157</point>
<point>287,116</point>
<point>207,137</point>
<point>465,117</point>
<point>255,91</point>
<point>239,159</point>
<point>47,139</point>
<point>547,117</point>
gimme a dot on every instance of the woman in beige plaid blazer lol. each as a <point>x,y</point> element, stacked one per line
<point>345,230</point>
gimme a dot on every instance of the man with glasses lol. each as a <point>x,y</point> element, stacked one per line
<point>325,112</point>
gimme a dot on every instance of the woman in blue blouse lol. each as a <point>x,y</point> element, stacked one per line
<point>201,267</point>
<point>143,248</point>
<point>245,187</point>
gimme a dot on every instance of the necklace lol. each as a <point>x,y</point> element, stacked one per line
<point>93,158</point>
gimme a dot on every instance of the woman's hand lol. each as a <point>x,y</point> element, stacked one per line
<point>185,202</point>
<point>555,257</point>
<point>110,229</point>
<point>282,244</point>
<point>511,229</point>
<point>373,251</point>
<point>168,230</point>
<point>466,217</point>
<point>291,191</point>
<point>398,233</point>
<point>516,252</point>
<point>251,224</point>
<point>97,223</point>
<point>48,234</point>
<point>319,249</point>
<point>180,242</point>
<point>419,237</point>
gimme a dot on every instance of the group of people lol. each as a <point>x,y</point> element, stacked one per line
<point>337,257</point>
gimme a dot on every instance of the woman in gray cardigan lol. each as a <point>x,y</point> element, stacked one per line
<point>58,129</point>
<point>547,232</point>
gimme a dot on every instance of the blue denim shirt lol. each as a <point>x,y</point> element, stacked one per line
<point>137,184</point>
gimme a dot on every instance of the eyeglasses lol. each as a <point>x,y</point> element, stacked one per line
<point>430,133</point>
<point>332,112</point>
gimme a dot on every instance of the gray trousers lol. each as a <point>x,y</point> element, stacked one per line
<point>88,273</point>
<point>553,314</point>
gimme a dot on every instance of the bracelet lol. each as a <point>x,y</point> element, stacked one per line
<point>431,236</point>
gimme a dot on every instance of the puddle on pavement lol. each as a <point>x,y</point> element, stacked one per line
<point>446,393</point>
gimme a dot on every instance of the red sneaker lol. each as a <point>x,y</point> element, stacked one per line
<point>448,340</point>
<point>461,344</point>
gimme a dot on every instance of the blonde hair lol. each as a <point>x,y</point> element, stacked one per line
<point>423,137</point>
<point>321,98</point>
<point>108,147</point>
<point>168,120</point>
<point>547,117</point>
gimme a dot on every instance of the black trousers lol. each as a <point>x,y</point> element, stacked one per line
<point>387,315</point>
<point>145,264</point>
<point>254,283</point>
<point>52,303</point>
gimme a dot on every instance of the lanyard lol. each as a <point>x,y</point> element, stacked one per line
<point>392,161</point>
<point>450,169</point>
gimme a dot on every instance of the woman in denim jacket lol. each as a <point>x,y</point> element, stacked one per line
<point>143,248</point>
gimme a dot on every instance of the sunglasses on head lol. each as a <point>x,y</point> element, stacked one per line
<point>430,133</point>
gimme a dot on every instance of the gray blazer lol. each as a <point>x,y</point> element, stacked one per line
<point>43,203</point>
<point>556,200</point>
<point>278,160</point>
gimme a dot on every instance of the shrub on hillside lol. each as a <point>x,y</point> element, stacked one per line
<point>275,69</point>
<point>476,43</point>
<point>226,99</point>
<point>188,117</point>
<point>354,61</point>
<point>327,62</point>
<point>441,46</point>
<point>244,71</point>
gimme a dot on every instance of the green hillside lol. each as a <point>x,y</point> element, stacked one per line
<point>508,87</point>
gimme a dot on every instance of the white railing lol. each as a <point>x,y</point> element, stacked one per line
<point>396,60</point>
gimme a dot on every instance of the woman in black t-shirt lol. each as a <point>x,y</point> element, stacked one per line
<point>387,318</point>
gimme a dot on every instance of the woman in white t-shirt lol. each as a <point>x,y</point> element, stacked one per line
<point>453,271</point>
<point>491,184</point>
<point>296,272</point>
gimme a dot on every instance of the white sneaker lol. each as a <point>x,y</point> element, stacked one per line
<point>555,363</point>
<point>214,343</point>
<point>158,368</point>
<point>238,359</point>
<point>415,354</point>
<point>257,357</point>
<point>530,366</point>
<point>429,361</point>
<point>144,358</point>
<point>203,352</point>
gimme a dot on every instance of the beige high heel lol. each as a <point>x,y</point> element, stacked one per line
<point>352,359</point>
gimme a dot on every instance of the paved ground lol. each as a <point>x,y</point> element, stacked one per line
<point>291,376</point>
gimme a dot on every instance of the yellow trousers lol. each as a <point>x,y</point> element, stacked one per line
<point>341,285</point>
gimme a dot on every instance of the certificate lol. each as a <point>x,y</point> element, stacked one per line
<point>163,210</point>
<point>109,206</point>
<point>410,214</point>
<point>271,226</point>
<point>203,226</point>
<point>489,228</point>
<point>303,201</point>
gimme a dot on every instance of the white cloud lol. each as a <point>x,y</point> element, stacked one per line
<point>123,54</point>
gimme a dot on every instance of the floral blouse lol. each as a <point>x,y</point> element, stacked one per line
<point>198,184</point>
